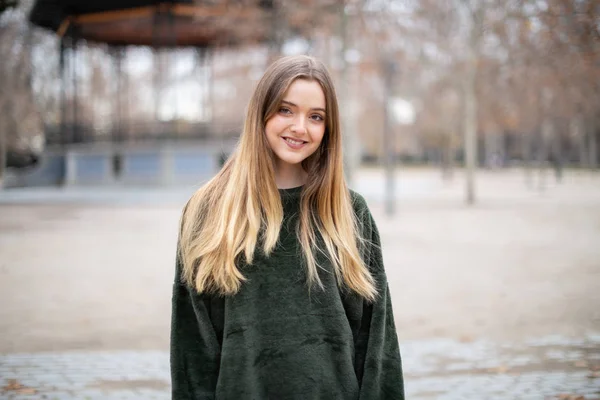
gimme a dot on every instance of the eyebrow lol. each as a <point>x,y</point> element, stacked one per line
<point>294,105</point>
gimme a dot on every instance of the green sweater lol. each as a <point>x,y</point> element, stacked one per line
<point>274,340</point>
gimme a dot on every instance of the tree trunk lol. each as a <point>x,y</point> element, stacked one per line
<point>470,81</point>
<point>593,155</point>
<point>543,151</point>
<point>578,131</point>
<point>126,99</point>
<point>210,65</point>
<point>3,152</point>
<point>470,140</point>
<point>526,157</point>
<point>351,145</point>
<point>118,96</point>
<point>490,149</point>
<point>388,141</point>
<point>75,131</point>
<point>159,72</point>
<point>557,151</point>
<point>447,159</point>
<point>504,150</point>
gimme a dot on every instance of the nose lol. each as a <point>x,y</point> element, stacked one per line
<point>298,125</point>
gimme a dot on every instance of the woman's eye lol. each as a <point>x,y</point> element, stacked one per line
<point>318,117</point>
<point>284,110</point>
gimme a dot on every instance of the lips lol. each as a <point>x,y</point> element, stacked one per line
<point>293,141</point>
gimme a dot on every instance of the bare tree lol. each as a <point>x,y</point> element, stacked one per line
<point>21,130</point>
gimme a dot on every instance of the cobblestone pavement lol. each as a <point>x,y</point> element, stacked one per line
<point>551,367</point>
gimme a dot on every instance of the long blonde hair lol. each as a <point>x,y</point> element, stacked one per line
<point>241,206</point>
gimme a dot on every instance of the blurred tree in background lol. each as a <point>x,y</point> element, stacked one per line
<point>21,125</point>
<point>490,82</point>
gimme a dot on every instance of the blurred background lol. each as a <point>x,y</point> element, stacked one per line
<point>470,126</point>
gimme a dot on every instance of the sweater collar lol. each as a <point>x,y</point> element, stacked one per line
<point>291,196</point>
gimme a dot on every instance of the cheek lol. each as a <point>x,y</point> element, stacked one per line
<point>318,135</point>
<point>273,127</point>
<point>270,130</point>
<point>269,127</point>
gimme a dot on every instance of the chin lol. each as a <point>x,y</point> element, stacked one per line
<point>292,160</point>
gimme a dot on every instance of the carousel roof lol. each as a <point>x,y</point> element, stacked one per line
<point>152,23</point>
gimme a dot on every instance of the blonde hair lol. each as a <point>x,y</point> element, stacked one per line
<point>241,206</point>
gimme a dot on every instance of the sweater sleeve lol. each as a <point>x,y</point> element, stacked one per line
<point>379,365</point>
<point>195,342</point>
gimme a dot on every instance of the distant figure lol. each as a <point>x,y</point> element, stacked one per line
<point>280,290</point>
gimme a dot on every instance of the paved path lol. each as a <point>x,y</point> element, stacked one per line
<point>436,369</point>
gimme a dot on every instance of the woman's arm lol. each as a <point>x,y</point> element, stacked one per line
<point>378,361</point>
<point>378,355</point>
<point>196,337</point>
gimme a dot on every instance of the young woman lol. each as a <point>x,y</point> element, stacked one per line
<point>280,290</point>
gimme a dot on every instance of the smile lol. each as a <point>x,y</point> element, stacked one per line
<point>294,143</point>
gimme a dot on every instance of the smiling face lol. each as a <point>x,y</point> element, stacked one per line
<point>297,128</point>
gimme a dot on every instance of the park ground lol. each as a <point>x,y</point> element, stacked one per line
<point>498,300</point>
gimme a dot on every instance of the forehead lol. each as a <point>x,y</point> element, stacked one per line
<point>305,93</point>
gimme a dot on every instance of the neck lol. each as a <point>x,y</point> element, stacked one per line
<point>289,176</point>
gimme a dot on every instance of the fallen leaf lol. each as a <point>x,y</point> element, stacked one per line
<point>466,339</point>
<point>500,370</point>
<point>570,397</point>
<point>14,386</point>
<point>26,391</point>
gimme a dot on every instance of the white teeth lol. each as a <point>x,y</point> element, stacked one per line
<point>292,141</point>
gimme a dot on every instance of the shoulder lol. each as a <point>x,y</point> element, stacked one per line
<point>362,213</point>
<point>359,204</point>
